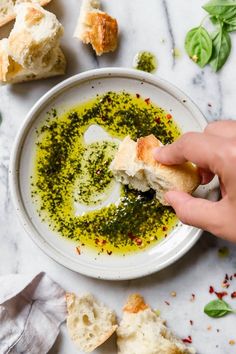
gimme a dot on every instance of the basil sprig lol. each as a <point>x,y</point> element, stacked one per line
<point>217,309</point>
<point>214,49</point>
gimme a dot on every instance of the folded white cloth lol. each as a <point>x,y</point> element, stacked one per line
<point>32,309</point>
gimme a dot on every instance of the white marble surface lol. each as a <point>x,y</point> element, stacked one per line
<point>156,25</point>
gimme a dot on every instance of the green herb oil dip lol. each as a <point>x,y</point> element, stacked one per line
<point>69,172</point>
<point>145,61</point>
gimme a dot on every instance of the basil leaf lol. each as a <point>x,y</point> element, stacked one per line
<point>217,308</point>
<point>215,20</point>
<point>221,49</point>
<point>230,24</point>
<point>224,8</point>
<point>198,45</point>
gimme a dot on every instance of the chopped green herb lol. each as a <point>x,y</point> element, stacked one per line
<point>69,173</point>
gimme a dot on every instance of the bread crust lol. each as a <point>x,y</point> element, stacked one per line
<point>135,303</point>
<point>103,33</point>
<point>96,27</point>
<point>11,15</point>
<point>145,148</point>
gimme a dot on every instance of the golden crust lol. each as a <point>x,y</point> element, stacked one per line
<point>11,16</point>
<point>145,148</point>
<point>33,16</point>
<point>187,174</point>
<point>135,304</point>
<point>104,32</point>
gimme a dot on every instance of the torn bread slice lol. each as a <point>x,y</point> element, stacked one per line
<point>11,72</point>
<point>35,33</point>
<point>142,331</point>
<point>7,12</point>
<point>89,322</point>
<point>96,27</point>
<point>127,169</point>
<point>159,177</point>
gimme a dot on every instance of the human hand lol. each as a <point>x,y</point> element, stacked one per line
<point>214,152</point>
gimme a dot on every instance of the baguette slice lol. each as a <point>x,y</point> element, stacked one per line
<point>135,166</point>
<point>35,33</point>
<point>96,27</point>
<point>7,12</point>
<point>89,322</point>
<point>142,331</point>
<point>11,72</point>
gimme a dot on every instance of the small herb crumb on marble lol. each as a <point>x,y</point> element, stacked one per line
<point>145,61</point>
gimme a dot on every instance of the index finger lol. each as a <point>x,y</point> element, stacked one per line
<point>201,149</point>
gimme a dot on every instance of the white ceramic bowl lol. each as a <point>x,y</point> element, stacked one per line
<point>69,93</point>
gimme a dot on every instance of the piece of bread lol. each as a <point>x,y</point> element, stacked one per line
<point>142,331</point>
<point>7,12</point>
<point>89,322</point>
<point>12,72</point>
<point>134,165</point>
<point>96,27</point>
<point>36,32</point>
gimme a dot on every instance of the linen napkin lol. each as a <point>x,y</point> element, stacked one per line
<point>32,309</point>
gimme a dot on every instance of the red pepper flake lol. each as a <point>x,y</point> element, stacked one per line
<point>131,236</point>
<point>158,120</point>
<point>109,253</point>
<point>104,119</point>
<point>168,116</point>
<point>226,277</point>
<point>147,100</point>
<point>191,322</point>
<point>96,241</point>
<point>231,277</point>
<point>235,275</point>
<point>193,297</point>
<point>98,172</point>
<point>137,95</point>
<point>187,340</point>
<point>138,241</point>
<point>209,105</point>
<point>78,250</point>
<point>220,295</point>
<point>211,289</point>
<point>225,284</point>
<point>167,303</point>
<point>164,228</point>
<point>233,295</point>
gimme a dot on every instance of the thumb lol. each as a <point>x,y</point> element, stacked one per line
<point>197,212</point>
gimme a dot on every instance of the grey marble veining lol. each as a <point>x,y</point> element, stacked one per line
<point>158,26</point>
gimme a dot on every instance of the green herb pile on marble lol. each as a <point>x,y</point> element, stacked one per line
<point>213,48</point>
<point>218,308</point>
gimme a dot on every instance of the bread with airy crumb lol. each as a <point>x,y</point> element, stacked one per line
<point>96,27</point>
<point>7,12</point>
<point>135,165</point>
<point>35,34</point>
<point>89,322</point>
<point>142,331</point>
<point>11,72</point>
